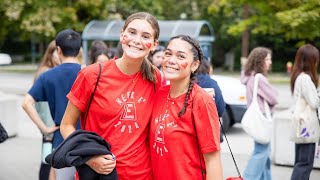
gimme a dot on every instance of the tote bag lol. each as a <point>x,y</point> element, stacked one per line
<point>254,122</point>
<point>304,123</point>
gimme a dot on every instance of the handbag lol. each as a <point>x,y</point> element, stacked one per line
<point>304,123</point>
<point>254,122</point>
<point>3,134</point>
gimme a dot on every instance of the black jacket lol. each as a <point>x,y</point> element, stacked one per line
<point>76,150</point>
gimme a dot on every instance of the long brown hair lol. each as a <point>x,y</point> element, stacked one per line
<point>256,60</point>
<point>148,70</point>
<point>197,55</point>
<point>306,60</point>
<point>47,59</point>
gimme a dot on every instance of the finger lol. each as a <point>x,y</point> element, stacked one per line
<point>107,156</point>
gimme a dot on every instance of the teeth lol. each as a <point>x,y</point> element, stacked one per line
<point>172,69</point>
<point>132,47</point>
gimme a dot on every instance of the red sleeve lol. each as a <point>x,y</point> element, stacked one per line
<point>82,88</point>
<point>206,122</point>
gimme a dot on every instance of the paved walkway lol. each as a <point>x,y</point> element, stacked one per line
<point>20,155</point>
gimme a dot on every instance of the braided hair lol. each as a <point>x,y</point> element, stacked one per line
<point>197,55</point>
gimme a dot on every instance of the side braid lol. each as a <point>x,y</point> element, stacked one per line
<point>185,104</point>
<point>197,55</point>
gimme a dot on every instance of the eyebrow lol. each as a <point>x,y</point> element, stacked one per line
<point>142,32</point>
<point>178,51</point>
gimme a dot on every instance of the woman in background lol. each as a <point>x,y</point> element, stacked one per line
<point>259,61</point>
<point>304,83</point>
<point>49,60</point>
<point>98,52</point>
<point>156,58</point>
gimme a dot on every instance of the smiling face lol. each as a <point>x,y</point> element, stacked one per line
<point>178,62</point>
<point>138,39</point>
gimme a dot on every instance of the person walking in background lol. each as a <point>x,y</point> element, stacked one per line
<point>126,88</point>
<point>304,83</point>
<point>204,80</point>
<point>49,60</point>
<point>184,129</point>
<point>53,86</point>
<point>259,61</point>
<point>98,52</point>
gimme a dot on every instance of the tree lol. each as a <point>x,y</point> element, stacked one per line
<point>294,21</point>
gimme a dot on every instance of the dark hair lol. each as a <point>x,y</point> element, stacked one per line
<point>97,53</point>
<point>152,53</point>
<point>197,55</point>
<point>256,60</point>
<point>97,48</point>
<point>69,41</point>
<point>158,49</point>
<point>148,70</point>
<point>306,60</point>
<point>119,51</point>
<point>204,67</point>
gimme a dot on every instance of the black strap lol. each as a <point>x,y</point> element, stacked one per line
<point>91,98</point>
<point>234,161</point>
<point>203,171</point>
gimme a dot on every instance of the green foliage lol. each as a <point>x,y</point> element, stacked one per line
<point>295,19</point>
<point>280,25</point>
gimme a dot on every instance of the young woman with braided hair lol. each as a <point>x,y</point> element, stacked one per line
<point>184,133</point>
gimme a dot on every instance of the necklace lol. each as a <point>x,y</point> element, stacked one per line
<point>169,98</point>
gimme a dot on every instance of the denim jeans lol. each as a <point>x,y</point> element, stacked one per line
<point>67,173</point>
<point>258,167</point>
<point>303,162</point>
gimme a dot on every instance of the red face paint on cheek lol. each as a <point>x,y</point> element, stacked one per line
<point>184,65</point>
<point>148,45</point>
<point>124,39</point>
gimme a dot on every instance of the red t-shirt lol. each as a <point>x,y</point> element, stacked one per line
<point>120,113</point>
<point>174,143</point>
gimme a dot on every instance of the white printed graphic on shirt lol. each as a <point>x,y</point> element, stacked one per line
<point>128,119</point>
<point>159,139</point>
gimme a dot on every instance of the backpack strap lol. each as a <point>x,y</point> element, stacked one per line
<point>92,95</point>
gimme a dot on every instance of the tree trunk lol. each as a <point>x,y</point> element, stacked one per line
<point>245,37</point>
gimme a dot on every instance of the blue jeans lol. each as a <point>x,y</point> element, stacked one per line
<point>303,163</point>
<point>258,167</point>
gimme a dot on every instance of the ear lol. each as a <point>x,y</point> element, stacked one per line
<point>195,65</point>
<point>59,51</point>
<point>155,44</point>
